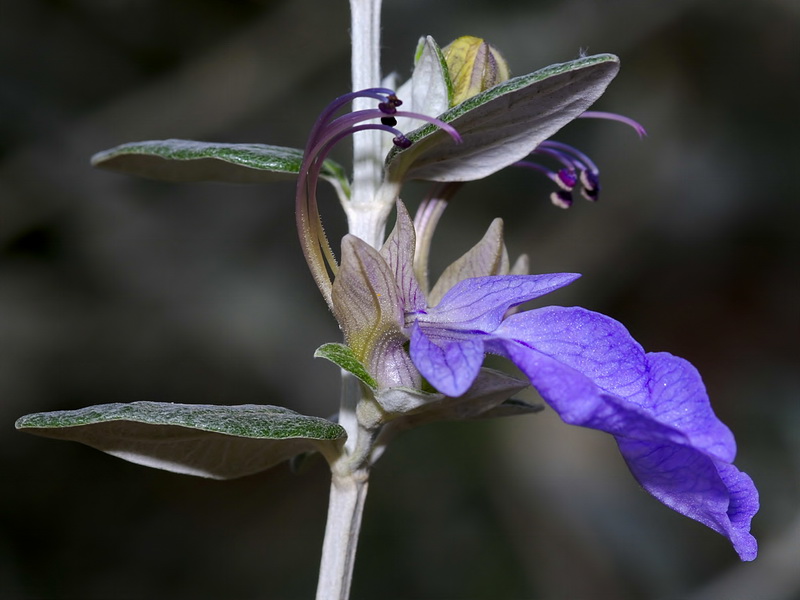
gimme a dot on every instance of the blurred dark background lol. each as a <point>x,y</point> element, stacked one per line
<point>114,289</point>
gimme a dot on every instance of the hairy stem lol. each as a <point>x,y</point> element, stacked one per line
<point>341,535</point>
<point>365,16</point>
<point>350,477</point>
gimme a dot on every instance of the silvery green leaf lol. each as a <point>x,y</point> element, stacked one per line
<point>187,160</point>
<point>429,89</point>
<point>505,123</point>
<point>219,442</point>
<point>343,356</point>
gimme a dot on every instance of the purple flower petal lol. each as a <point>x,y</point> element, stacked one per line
<point>479,304</point>
<point>601,349</point>
<point>595,345</point>
<point>678,397</point>
<point>712,492</point>
<point>578,401</point>
<point>449,364</point>
<point>593,374</point>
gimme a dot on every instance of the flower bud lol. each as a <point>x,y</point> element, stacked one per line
<point>474,66</point>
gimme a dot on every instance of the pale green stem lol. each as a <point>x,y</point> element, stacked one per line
<point>368,221</point>
<point>365,16</point>
<point>345,508</point>
<point>370,201</point>
<point>350,475</point>
<point>366,213</point>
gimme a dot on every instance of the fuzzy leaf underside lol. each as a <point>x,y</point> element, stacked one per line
<point>218,442</point>
<point>343,357</point>
<point>191,161</point>
<point>505,123</point>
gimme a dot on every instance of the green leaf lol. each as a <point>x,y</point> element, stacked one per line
<point>219,442</point>
<point>187,160</point>
<point>343,356</point>
<point>505,123</point>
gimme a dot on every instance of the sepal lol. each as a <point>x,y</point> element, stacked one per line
<point>367,304</point>
<point>489,396</point>
<point>218,442</point>
<point>484,259</point>
<point>429,90</point>
<point>398,252</point>
<point>490,389</point>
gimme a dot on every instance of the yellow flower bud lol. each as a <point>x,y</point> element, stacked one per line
<point>474,66</point>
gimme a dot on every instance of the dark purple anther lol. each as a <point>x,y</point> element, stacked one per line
<point>402,142</point>
<point>390,106</point>
<point>591,185</point>
<point>390,121</point>
<point>566,179</point>
<point>561,198</point>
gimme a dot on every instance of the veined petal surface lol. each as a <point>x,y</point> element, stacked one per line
<point>593,374</point>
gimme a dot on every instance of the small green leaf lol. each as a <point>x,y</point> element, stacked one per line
<point>343,357</point>
<point>220,442</point>
<point>505,123</point>
<point>187,160</point>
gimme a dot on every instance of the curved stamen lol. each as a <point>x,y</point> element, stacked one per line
<point>577,157</point>
<point>589,174</point>
<point>566,178</point>
<point>348,124</point>
<point>596,114</point>
<point>570,162</point>
<point>382,94</point>
<point>577,168</point>
<point>325,134</point>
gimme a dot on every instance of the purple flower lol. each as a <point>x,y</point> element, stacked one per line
<point>585,365</point>
<point>594,374</point>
